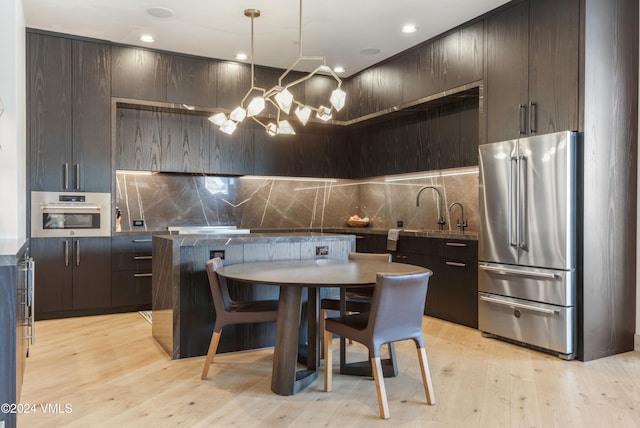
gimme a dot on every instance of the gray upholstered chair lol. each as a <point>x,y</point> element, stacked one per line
<point>358,299</point>
<point>396,314</point>
<point>229,311</point>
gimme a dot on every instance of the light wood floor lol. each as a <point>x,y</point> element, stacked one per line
<point>112,373</point>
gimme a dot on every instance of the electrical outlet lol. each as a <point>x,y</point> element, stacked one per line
<point>138,223</point>
<point>400,223</point>
<point>322,251</point>
<point>216,253</point>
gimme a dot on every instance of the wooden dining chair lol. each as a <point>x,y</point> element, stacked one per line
<point>358,299</point>
<point>229,311</point>
<point>396,314</point>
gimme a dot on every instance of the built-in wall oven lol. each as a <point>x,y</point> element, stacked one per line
<point>55,214</point>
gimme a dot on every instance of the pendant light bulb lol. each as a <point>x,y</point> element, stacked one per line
<point>218,119</point>
<point>284,100</point>
<point>303,113</point>
<point>228,127</point>
<point>238,114</point>
<point>338,99</point>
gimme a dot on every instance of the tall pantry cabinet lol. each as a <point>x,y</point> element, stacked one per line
<point>69,109</point>
<point>69,135</point>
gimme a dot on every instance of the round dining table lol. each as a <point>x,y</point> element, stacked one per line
<point>293,276</point>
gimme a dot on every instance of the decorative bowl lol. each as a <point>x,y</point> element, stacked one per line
<point>358,223</point>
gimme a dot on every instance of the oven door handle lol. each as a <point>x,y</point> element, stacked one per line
<point>518,305</point>
<point>66,208</point>
<point>519,272</point>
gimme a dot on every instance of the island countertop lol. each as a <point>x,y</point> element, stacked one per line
<point>183,312</point>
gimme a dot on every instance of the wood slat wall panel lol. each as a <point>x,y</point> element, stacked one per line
<point>607,300</point>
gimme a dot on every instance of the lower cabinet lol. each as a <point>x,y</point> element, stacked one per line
<point>13,331</point>
<point>452,294</point>
<point>131,272</point>
<point>72,277</point>
<point>458,285</point>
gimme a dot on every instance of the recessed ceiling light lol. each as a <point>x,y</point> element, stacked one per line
<point>147,38</point>
<point>369,51</point>
<point>409,28</point>
<point>241,56</point>
<point>160,12</point>
<point>339,69</point>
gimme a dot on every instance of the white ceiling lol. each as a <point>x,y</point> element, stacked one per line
<point>336,29</point>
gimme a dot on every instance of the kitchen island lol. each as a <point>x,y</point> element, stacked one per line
<point>183,312</point>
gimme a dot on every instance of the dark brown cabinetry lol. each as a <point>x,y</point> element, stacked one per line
<point>532,69</point>
<point>69,91</point>
<point>191,81</point>
<point>131,272</point>
<point>13,331</point>
<point>440,137</point>
<point>151,139</point>
<point>458,296</point>
<point>452,294</point>
<point>73,276</point>
<point>139,74</point>
<point>447,62</point>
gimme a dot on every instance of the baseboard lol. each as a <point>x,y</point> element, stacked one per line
<point>636,342</point>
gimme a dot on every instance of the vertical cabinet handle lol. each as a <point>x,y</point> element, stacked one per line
<point>65,176</point>
<point>76,176</point>
<point>66,252</point>
<point>523,119</point>
<point>77,253</point>
<point>26,267</point>
<point>31,300</point>
<point>532,118</point>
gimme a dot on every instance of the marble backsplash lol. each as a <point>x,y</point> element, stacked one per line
<point>163,200</point>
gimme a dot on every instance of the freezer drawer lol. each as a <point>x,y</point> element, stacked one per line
<point>551,286</point>
<point>545,326</point>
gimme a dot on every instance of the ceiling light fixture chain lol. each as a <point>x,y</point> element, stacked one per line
<point>279,96</point>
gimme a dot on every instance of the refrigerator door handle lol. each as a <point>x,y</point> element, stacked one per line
<point>512,243</point>
<point>522,201</point>
<point>519,272</point>
<point>518,305</point>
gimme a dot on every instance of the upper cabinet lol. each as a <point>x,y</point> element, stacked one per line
<point>139,74</point>
<point>445,63</point>
<point>438,137</point>
<point>191,81</point>
<point>150,139</point>
<point>532,69</point>
<point>69,132</point>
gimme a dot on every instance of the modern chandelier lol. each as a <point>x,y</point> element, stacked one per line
<point>279,96</point>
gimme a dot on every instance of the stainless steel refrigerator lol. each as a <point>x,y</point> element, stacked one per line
<point>527,242</point>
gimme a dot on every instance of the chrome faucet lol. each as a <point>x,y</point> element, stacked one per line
<point>441,221</point>
<point>461,224</point>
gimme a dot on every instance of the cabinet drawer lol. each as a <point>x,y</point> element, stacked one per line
<point>128,261</point>
<point>459,249</point>
<point>129,288</point>
<point>546,326</point>
<point>131,244</point>
<point>409,244</point>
